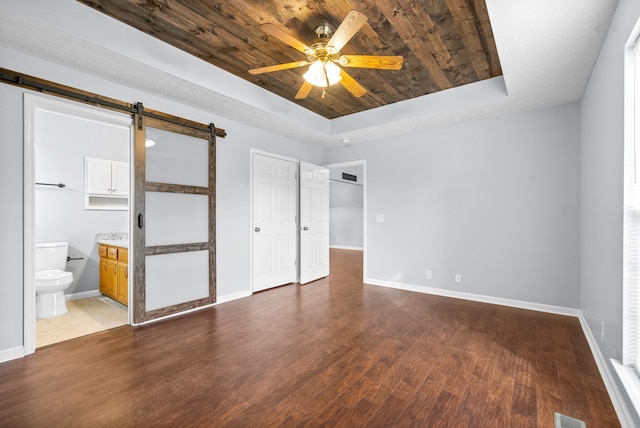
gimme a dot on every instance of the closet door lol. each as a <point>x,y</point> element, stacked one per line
<point>175,219</point>
<point>314,222</point>
<point>273,221</point>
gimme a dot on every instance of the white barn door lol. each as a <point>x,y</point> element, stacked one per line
<point>314,222</point>
<point>273,221</point>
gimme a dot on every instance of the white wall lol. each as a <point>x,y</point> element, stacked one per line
<point>61,143</point>
<point>601,186</point>
<point>11,218</point>
<point>232,187</point>
<point>494,200</point>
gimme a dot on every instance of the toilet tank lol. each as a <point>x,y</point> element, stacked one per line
<point>51,255</point>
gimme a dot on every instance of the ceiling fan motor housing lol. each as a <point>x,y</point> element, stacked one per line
<point>319,49</point>
<point>323,31</point>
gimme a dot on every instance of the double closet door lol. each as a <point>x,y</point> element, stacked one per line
<point>276,231</point>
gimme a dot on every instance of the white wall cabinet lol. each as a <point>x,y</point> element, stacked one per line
<point>120,179</point>
<point>106,184</point>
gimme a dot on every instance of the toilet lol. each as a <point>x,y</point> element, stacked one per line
<point>51,279</point>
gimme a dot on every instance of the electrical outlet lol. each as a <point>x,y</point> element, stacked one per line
<point>602,332</point>
<point>458,277</point>
<point>429,275</point>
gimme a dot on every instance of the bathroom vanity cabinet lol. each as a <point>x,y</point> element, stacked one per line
<point>114,272</point>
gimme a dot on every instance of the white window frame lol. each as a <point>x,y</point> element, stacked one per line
<point>629,369</point>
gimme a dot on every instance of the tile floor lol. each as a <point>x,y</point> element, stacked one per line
<point>85,316</point>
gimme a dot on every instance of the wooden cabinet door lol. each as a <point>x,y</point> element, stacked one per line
<point>123,283</point>
<point>123,276</point>
<point>104,272</point>
<point>112,278</point>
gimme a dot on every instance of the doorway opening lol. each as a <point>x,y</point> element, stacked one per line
<point>85,152</point>
<point>348,208</point>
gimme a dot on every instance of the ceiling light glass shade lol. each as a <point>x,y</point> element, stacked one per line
<point>319,72</point>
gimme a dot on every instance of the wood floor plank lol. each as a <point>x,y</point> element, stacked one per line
<point>418,409</point>
<point>335,352</point>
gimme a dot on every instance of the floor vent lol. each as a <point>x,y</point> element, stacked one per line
<point>105,300</point>
<point>563,421</point>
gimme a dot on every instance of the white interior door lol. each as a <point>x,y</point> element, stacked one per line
<point>314,222</point>
<point>274,221</point>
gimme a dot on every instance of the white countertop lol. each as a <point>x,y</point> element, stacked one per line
<point>124,243</point>
<point>115,239</point>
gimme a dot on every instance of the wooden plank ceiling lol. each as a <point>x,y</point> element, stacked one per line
<point>445,43</point>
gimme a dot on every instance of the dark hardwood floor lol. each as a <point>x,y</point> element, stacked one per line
<point>334,352</point>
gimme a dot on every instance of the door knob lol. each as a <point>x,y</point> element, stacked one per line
<point>257,229</point>
<point>305,228</point>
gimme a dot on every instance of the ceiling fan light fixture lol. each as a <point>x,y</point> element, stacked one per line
<point>324,59</point>
<point>320,73</point>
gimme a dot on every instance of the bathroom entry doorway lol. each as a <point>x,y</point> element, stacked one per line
<point>60,137</point>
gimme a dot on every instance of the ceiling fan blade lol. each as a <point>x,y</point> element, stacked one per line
<point>283,36</point>
<point>278,67</point>
<point>356,89</point>
<point>350,26</point>
<point>371,61</point>
<point>304,90</point>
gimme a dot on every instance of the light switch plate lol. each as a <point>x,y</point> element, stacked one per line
<point>380,218</point>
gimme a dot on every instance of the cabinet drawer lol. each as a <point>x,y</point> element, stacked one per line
<point>102,250</point>
<point>123,255</point>
<point>112,253</point>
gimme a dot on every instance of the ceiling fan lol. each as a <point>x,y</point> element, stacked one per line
<point>324,54</point>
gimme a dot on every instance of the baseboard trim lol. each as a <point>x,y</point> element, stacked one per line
<point>82,295</point>
<point>345,247</point>
<point>11,354</point>
<point>233,296</point>
<point>615,394</point>
<point>559,310</point>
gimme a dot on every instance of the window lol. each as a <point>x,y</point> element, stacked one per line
<point>629,370</point>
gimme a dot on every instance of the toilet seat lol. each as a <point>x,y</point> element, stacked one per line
<point>52,277</point>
